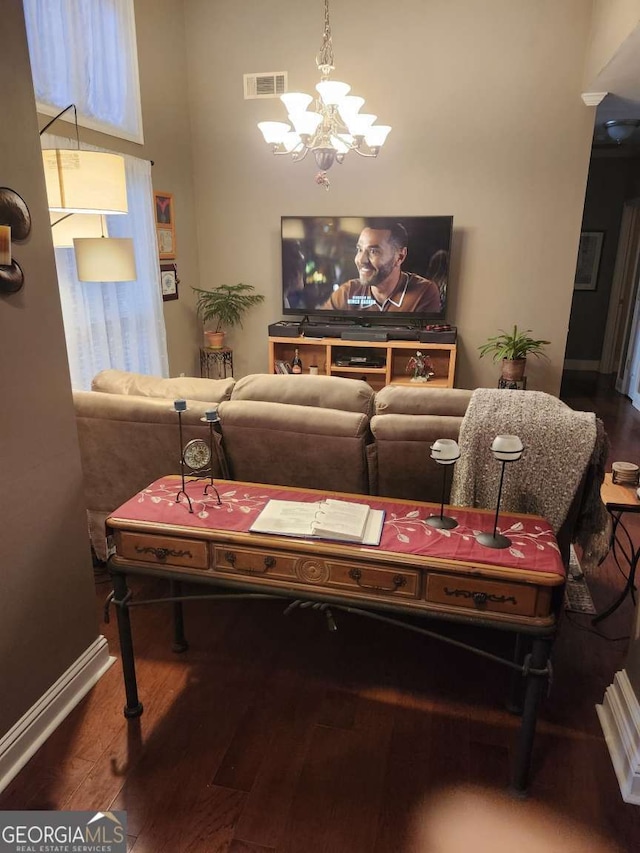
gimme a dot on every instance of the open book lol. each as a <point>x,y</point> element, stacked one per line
<point>330,519</point>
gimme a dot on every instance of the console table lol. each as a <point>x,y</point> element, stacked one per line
<point>416,570</point>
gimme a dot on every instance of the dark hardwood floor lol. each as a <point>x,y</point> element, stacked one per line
<point>272,734</point>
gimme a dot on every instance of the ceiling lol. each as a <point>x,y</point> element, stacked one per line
<point>620,78</point>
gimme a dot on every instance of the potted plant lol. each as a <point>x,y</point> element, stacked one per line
<point>513,349</point>
<point>225,305</point>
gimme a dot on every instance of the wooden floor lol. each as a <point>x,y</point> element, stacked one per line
<point>272,734</point>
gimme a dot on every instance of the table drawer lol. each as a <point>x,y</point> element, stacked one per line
<point>163,550</point>
<point>482,595</point>
<point>319,572</point>
<point>244,561</point>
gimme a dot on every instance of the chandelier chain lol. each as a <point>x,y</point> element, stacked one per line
<point>325,57</point>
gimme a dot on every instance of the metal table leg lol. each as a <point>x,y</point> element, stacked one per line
<point>134,707</point>
<point>536,679</point>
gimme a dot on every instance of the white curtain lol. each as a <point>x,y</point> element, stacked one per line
<point>83,52</point>
<point>116,324</point>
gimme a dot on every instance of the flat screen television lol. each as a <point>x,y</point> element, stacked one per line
<point>369,269</point>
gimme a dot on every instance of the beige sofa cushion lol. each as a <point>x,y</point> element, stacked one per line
<point>295,445</point>
<point>409,400</point>
<point>325,392</point>
<point>407,421</point>
<point>180,387</point>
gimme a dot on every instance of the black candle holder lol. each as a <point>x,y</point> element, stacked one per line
<point>511,452</point>
<point>445,451</point>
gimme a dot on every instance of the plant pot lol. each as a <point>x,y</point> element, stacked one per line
<point>513,368</point>
<point>214,340</point>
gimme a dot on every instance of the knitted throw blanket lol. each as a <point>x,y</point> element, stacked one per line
<point>558,446</point>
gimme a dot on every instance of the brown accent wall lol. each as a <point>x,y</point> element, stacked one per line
<point>47,617</point>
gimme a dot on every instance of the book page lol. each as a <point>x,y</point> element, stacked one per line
<point>286,518</point>
<point>341,520</point>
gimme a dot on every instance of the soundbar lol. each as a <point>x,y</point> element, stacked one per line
<point>364,335</point>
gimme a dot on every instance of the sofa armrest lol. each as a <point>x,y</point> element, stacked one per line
<point>127,442</point>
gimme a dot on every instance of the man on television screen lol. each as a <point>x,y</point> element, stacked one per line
<point>382,285</point>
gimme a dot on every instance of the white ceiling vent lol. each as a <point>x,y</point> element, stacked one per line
<point>267,84</point>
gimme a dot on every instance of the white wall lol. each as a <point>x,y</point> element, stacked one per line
<point>488,125</point>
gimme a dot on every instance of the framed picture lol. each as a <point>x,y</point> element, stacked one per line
<point>169,281</point>
<point>165,224</point>
<point>164,208</point>
<point>588,260</point>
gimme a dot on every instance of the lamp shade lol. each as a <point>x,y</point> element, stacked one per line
<point>64,230</point>
<point>85,181</point>
<point>105,259</point>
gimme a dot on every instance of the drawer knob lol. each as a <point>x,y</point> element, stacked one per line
<point>479,599</point>
<point>230,557</point>
<point>269,562</point>
<point>397,581</point>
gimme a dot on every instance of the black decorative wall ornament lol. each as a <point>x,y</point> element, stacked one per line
<point>14,213</point>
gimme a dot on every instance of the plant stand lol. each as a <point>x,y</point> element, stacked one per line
<point>513,384</point>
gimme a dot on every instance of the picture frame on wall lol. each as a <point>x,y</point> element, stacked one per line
<point>165,224</point>
<point>169,282</point>
<point>588,264</point>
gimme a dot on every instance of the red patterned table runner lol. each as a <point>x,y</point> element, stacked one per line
<point>533,547</point>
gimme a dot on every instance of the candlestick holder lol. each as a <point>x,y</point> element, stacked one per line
<point>180,406</point>
<point>445,451</point>
<point>505,448</point>
<point>211,417</point>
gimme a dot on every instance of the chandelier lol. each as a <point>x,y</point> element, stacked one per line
<point>334,127</point>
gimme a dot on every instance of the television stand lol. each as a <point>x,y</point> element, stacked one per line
<point>392,356</point>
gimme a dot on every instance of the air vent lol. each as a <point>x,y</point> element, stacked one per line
<point>267,84</point>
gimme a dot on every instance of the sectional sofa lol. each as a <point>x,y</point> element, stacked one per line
<point>320,432</point>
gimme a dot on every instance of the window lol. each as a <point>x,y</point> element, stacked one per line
<point>84,52</point>
<point>116,324</point>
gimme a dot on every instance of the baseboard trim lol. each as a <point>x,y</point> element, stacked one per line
<point>33,728</point>
<point>581,364</point>
<point>619,717</point>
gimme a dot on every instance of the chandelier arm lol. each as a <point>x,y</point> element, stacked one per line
<point>374,152</point>
<point>298,156</point>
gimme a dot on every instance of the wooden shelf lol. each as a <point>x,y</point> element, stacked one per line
<point>322,353</point>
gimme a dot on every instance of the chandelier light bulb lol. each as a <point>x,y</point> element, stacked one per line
<point>376,135</point>
<point>296,102</point>
<point>305,123</point>
<point>332,92</point>
<point>274,131</point>
<point>360,123</point>
<point>350,105</point>
<point>330,125</point>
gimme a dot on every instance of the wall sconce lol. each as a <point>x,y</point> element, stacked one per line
<point>105,259</point>
<point>621,129</point>
<point>505,448</point>
<point>15,224</point>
